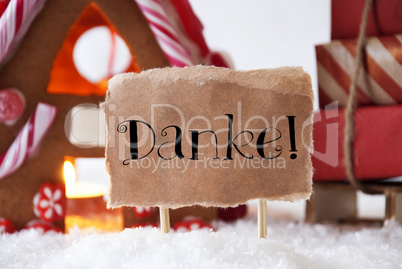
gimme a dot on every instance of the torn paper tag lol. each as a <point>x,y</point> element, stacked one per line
<point>208,136</point>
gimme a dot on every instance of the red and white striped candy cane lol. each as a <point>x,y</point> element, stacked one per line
<point>14,23</point>
<point>28,140</point>
<point>165,33</point>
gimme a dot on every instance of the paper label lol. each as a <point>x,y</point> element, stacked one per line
<point>208,136</point>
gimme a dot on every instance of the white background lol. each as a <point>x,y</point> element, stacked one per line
<point>266,33</point>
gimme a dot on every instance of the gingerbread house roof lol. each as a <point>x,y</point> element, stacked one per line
<point>173,23</point>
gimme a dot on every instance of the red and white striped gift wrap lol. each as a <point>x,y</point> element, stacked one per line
<point>380,80</point>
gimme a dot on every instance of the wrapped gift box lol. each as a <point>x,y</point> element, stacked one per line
<point>380,81</point>
<point>377,147</point>
<point>384,18</point>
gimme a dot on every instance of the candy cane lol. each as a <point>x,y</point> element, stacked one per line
<point>14,23</point>
<point>165,33</point>
<point>28,140</point>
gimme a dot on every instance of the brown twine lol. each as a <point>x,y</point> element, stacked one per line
<point>352,105</point>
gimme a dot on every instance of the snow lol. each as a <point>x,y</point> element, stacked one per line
<point>290,244</point>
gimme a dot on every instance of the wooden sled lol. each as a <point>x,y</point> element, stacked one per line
<point>337,202</point>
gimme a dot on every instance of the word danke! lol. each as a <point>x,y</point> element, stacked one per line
<point>132,126</point>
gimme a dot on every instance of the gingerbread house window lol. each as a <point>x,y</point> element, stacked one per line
<point>92,52</point>
<point>85,126</point>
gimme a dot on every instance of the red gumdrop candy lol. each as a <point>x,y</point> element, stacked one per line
<point>12,105</point>
<point>143,212</point>
<point>6,226</point>
<point>42,227</point>
<point>191,225</point>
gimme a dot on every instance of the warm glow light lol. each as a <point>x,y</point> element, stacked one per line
<point>85,205</point>
<point>69,175</point>
<point>79,189</point>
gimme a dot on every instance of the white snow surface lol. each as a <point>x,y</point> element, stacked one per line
<point>289,244</point>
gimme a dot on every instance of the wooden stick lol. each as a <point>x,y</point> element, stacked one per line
<point>262,218</point>
<point>164,219</point>
<point>390,205</point>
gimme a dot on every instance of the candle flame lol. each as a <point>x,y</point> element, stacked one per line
<point>69,175</point>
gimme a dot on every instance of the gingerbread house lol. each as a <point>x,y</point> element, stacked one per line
<point>37,62</point>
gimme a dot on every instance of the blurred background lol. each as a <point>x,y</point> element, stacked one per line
<point>258,34</point>
<point>266,33</point>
